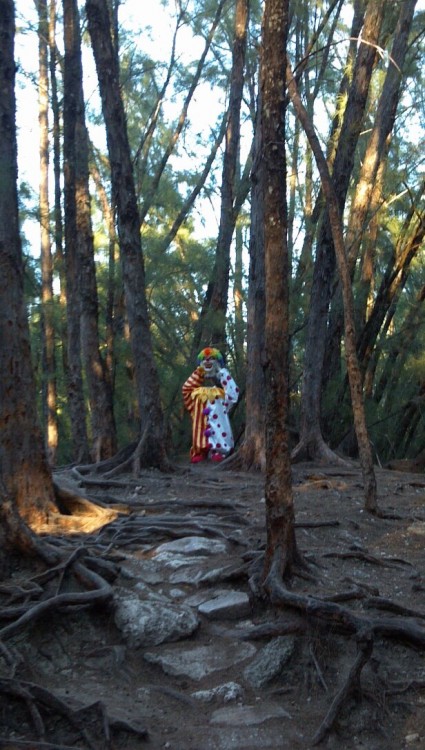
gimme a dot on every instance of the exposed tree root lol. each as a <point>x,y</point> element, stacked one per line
<point>81,576</point>
<point>315,449</point>
<point>38,701</point>
<point>100,592</point>
<point>350,623</point>
<point>352,683</point>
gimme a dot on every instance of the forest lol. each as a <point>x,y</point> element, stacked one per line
<point>116,320</point>
<point>233,188</point>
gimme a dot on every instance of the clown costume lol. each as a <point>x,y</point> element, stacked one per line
<point>208,395</point>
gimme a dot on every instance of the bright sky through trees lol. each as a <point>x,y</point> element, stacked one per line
<point>152,28</point>
<point>155,22</point>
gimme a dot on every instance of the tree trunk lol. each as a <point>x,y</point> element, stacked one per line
<point>393,282</point>
<point>153,451</point>
<point>383,124</point>
<point>114,291</point>
<point>75,392</point>
<point>214,332</point>
<point>311,444</point>
<point>24,472</point>
<point>353,368</point>
<point>103,432</point>
<point>252,453</point>
<point>59,260</point>
<point>47,311</point>
<point>281,546</point>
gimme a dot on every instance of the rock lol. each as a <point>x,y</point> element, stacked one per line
<point>248,715</point>
<point>231,605</point>
<point>191,545</point>
<point>230,691</point>
<point>197,662</point>
<point>270,661</point>
<point>152,620</point>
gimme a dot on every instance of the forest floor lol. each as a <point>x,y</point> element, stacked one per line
<point>251,674</point>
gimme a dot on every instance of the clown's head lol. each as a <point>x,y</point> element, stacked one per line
<point>210,360</point>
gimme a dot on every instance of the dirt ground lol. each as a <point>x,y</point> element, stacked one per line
<point>74,668</point>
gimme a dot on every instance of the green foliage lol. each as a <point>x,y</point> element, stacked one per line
<point>178,271</point>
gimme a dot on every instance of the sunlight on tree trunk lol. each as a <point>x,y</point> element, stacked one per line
<point>47,310</point>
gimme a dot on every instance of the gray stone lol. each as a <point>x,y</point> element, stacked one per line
<point>192,545</point>
<point>248,715</point>
<point>152,620</point>
<point>270,661</point>
<point>232,605</point>
<point>197,662</point>
<point>190,575</point>
<point>202,596</point>
<point>230,691</point>
<point>142,570</point>
<point>173,561</point>
<point>216,575</point>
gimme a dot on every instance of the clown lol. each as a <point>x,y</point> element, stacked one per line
<point>208,395</point>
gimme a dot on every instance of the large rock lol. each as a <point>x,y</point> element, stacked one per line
<point>270,661</point>
<point>248,715</point>
<point>233,605</point>
<point>190,545</point>
<point>197,662</point>
<point>149,620</point>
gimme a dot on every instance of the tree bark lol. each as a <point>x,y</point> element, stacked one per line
<point>103,432</point>
<point>47,311</point>
<point>24,472</point>
<point>75,388</point>
<point>252,453</point>
<point>215,321</point>
<point>124,198</point>
<point>311,444</point>
<point>281,543</point>
<point>379,138</point>
<point>353,369</point>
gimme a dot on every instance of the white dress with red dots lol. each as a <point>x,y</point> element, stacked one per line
<point>219,430</point>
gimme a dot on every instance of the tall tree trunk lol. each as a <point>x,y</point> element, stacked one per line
<point>252,453</point>
<point>215,321</point>
<point>47,311</point>
<point>238,304</point>
<point>311,444</point>
<point>281,549</point>
<point>59,259</point>
<point>76,400</point>
<point>367,193</point>
<point>394,279</point>
<point>103,432</point>
<point>353,369</point>
<point>114,291</point>
<point>153,450</point>
<point>378,144</point>
<point>25,476</point>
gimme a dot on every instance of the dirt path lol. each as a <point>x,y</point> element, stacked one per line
<point>240,673</point>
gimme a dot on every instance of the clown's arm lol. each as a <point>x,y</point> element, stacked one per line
<point>229,386</point>
<point>194,381</point>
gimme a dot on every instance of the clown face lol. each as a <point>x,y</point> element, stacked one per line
<point>211,367</point>
<point>211,361</point>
